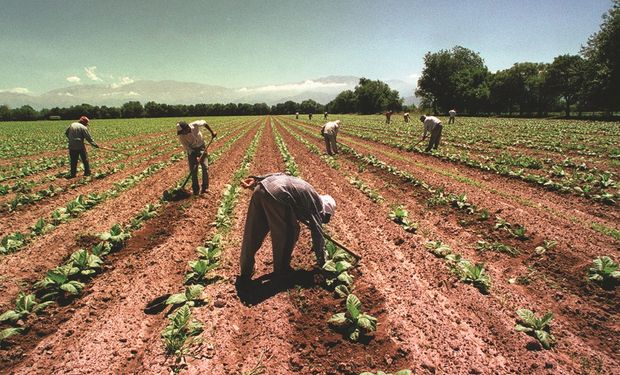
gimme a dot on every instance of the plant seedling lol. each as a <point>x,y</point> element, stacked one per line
<point>400,216</point>
<point>86,263</point>
<point>536,327</point>
<point>474,274</point>
<point>547,245</point>
<point>57,283</point>
<point>181,333</point>
<point>605,270</point>
<point>355,322</point>
<point>115,237</point>
<point>440,249</point>
<point>8,332</point>
<point>25,304</point>
<point>191,297</point>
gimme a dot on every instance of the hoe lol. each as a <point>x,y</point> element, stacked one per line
<point>179,192</point>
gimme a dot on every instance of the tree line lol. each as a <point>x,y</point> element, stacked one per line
<point>587,82</point>
<point>368,97</point>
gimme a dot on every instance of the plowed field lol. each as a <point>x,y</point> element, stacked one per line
<point>536,242</point>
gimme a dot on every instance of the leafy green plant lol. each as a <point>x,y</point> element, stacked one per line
<point>497,247</point>
<point>484,215</point>
<point>8,332</point>
<point>536,327</point>
<point>58,285</point>
<point>191,297</point>
<point>85,262</point>
<point>474,274</point>
<point>180,333</point>
<point>438,248</point>
<point>546,245</point>
<point>41,227</point>
<point>518,232</point>
<point>605,270</point>
<point>500,223</point>
<point>401,372</point>
<point>60,215</point>
<point>12,243</point>
<point>25,304</point>
<point>102,249</point>
<point>353,320</point>
<point>116,237</point>
<point>198,271</point>
<point>400,216</point>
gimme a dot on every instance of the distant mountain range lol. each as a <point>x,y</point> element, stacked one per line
<point>321,90</point>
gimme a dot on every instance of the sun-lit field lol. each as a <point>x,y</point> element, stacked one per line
<point>508,215</point>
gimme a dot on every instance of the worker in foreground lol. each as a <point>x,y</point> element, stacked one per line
<point>192,140</point>
<point>278,204</point>
<point>433,126</point>
<point>329,133</point>
<point>76,133</point>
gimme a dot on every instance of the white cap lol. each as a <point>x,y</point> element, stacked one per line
<point>329,204</point>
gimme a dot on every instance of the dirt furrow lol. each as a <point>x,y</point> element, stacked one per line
<point>29,264</point>
<point>109,332</point>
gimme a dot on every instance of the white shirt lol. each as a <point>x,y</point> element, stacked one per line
<point>330,128</point>
<point>452,113</point>
<point>430,123</point>
<point>193,139</point>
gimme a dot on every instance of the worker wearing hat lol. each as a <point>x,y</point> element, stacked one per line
<point>194,144</point>
<point>279,202</point>
<point>76,133</point>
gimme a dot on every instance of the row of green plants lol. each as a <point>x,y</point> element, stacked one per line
<point>16,241</point>
<point>21,169</point>
<point>182,332</point>
<point>67,281</point>
<point>592,184</point>
<point>22,199</point>
<point>289,161</point>
<point>352,322</point>
<point>328,159</point>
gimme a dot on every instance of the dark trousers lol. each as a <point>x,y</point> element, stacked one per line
<point>265,214</point>
<point>451,120</point>
<point>435,138</point>
<point>193,164</point>
<point>330,143</point>
<point>74,155</point>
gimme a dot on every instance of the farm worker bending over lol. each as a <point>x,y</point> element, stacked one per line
<point>329,133</point>
<point>406,116</point>
<point>76,134</point>
<point>194,144</point>
<point>432,125</point>
<point>325,115</point>
<point>279,201</point>
<point>452,114</point>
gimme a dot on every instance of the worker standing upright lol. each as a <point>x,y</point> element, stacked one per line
<point>76,133</point>
<point>194,144</point>
<point>388,116</point>
<point>406,116</point>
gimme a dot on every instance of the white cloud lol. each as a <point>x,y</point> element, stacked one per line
<point>413,77</point>
<point>74,79</point>
<point>17,90</point>
<point>90,73</point>
<point>306,85</point>
<point>65,94</point>
<point>122,94</point>
<point>122,82</point>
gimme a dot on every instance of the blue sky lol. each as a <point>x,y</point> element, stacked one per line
<point>51,44</point>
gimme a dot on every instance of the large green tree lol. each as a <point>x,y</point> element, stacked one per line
<point>376,96</point>
<point>603,54</point>
<point>345,102</point>
<point>565,78</point>
<point>455,78</point>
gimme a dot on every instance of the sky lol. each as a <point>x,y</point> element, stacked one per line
<point>49,44</point>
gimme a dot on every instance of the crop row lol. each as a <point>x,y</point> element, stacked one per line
<point>15,241</point>
<point>593,184</point>
<point>182,331</point>
<point>353,322</point>
<point>67,281</point>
